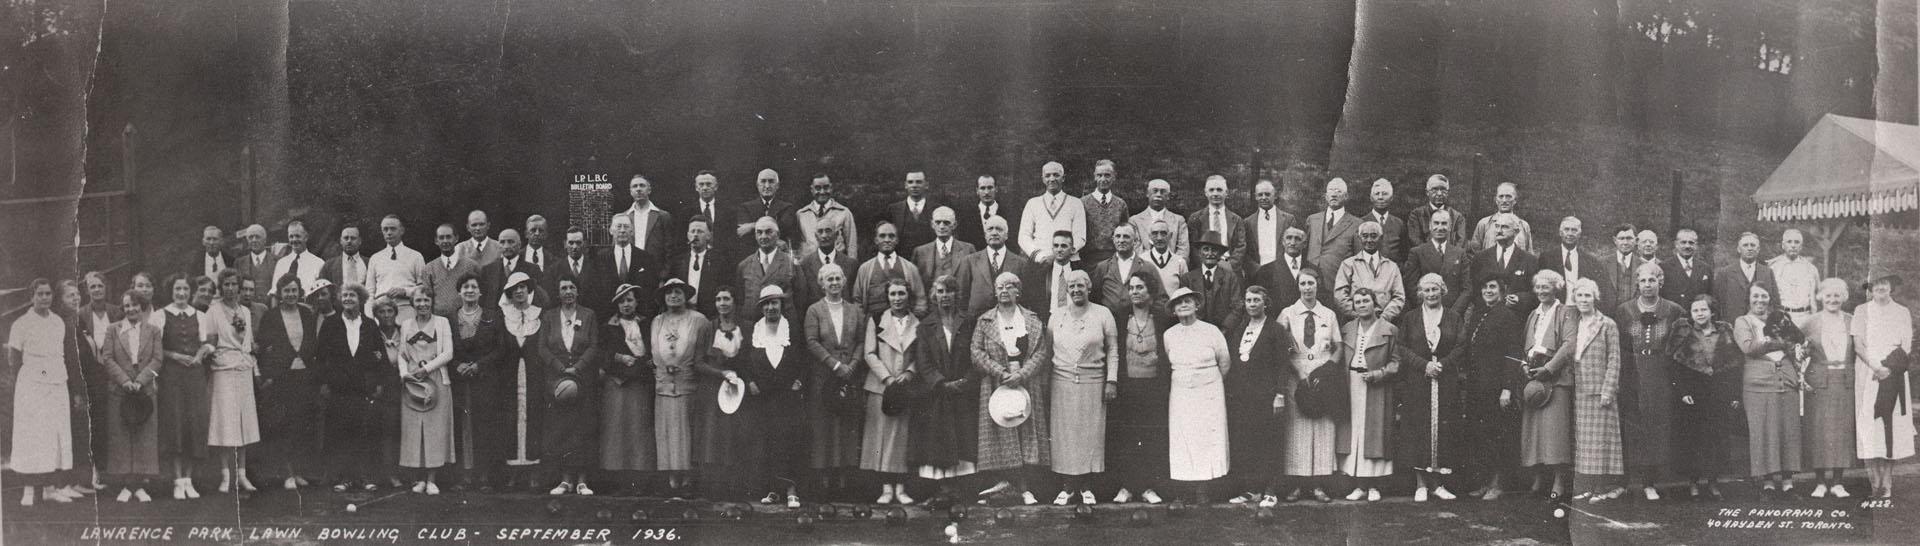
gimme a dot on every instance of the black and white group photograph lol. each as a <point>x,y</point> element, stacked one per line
<point>1121,272</point>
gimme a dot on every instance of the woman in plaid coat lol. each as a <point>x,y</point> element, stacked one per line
<point>1598,458</point>
<point>1012,449</point>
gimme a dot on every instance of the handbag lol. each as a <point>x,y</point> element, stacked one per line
<point>1324,393</point>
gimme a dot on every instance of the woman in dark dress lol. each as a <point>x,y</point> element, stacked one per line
<point>353,367</point>
<point>1256,433</point>
<point>776,376</point>
<point>1646,322</point>
<point>289,439</point>
<point>567,341</point>
<point>477,333</point>
<point>1487,358</point>
<point>1137,439</point>
<point>626,425</point>
<point>519,391</point>
<point>1429,394</point>
<point>1708,383</point>
<point>728,448</point>
<point>944,434</point>
<point>182,406</point>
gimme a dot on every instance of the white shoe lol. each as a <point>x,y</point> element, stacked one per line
<point>1840,491</point>
<point>997,488</point>
<point>55,495</point>
<point>1652,494</point>
<point>1123,496</point>
<point>301,481</point>
<point>1443,494</point>
<point>1087,498</point>
<point>1243,498</point>
<point>179,491</point>
<point>26,497</point>
<point>124,496</point>
<point>1151,497</point>
<point>886,495</point>
<point>1269,501</point>
<point>245,484</point>
<point>1820,491</point>
<point>191,492</point>
<point>582,490</point>
<point>226,482</point>
<point>793,502</point>
<point>1357,494</point>
<point>142,496</point>
<point>1373,495</point>
<point>290,484</point>
<point>900,495</point>
<point>1062,498</point>
<point>1027,498</point>
<point>1420,495</point>
<point>419,487</point>
<point>561,489</point>
<point>432,488</point>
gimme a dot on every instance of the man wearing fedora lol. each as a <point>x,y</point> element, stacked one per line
<point>1219,287</point>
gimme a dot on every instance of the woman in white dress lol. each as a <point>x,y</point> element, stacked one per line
<point>426,437</point>
<point>1197,400</point>
<point>1368,349</point>
<point>1883,402</point>
<point>43,426</point>
<point>234,422</point>
<point>1315,331</point>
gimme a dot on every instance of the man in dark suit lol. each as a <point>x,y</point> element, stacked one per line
<point>493,276</point>
<point>1687,273</point>
<point>1110,277</point>
<point>652,228</point>
<point>1420,218</point>
<point>1733,283</point>
<point>1044,288</point>
<point>1219,287</point>
<point>1393,230</point>
<point>1332,234</point>
<point>589,275</point>
<point>768,265</point>
<point>1573,263</point>
<point>980,269</point>
<point>943,254</point>
<point>1619,268</point>
<point>537,251</point>
<point>624,263</point>
<point>1442,255</point>
<point>721,218</point>
<point>913,215</point>
<point>1505,259</point>
<point>1261,232</point>
<point>807,289</point>
<point>972,228</point>
<point>257,263</point>
<point>1282,276</point>
<point>349,267</point>
<point>212,257</point>
<point>1215,217</point>
<point>701,265</point>
<point>767,183</point>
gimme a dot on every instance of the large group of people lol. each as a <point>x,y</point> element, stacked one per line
<point>1076,345</point>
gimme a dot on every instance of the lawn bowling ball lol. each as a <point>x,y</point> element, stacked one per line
<point>1263,515</point>
<point>957,513</point>
<point>1140,518</point>
<point>1003,516</point>
<point>603,515</point>
<point>952,530</point>
<point>862,512</point>
<point>637,516</point>
<point>824,511</point>
<point>806,521</point>
<point>896,516</point>
<point>554,508</point>
<point>733,511</point>
<point>1083,512</point>
<point>689,515</point>
<point>351,508</point>
<point>1178,508</point>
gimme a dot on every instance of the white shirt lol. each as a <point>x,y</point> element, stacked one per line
<point>132,333</point>
<point>1334,216</point>
<point>534,255</point>
<point>1269,246</point>
<point>1047,213</point>
<point>622,259</point>
<point>214,264</point>
<point>1540,324</point>
<point>988,210</point>
<point>1253,334</point>
<point>1217,219</point>
<point>353,334</point>
<point>1430,318</point>
<point>915,205</point>
<point>1124,264</point>
<point>640,224</point>
<point>694,272</point>
<point>1747,268</point>
<point>1293,264</point>
<point>259,258</point>
<point>837,312</point>
<point>395,267</point>
<point>305,266</point>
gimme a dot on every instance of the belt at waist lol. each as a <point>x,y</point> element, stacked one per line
<point>1806,309</point>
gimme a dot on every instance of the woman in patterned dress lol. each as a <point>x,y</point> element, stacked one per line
<point>1315,330</point>
<point>1827,427</point>
<point>1598,458</point>
<point>1086,368</point>
<point>627,441</point>
<point>1646,322</point>
<point>834,330</point>
<point>233,421</point>
<point>181,406</point>
<point>1770,390</point>
<point>891,335</point>
<point>1137,439</point>
<point>1883,402</point>
<point>679,338</point>
<point>426,437</point>
<point>1010,348</point>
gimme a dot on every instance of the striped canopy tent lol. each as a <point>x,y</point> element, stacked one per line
<point>1844,171</point>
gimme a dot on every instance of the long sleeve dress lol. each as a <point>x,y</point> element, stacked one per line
<point>1429,408</point>
<point>1137,417</point>
<point>477,340</point>
<point>1028,444</point>
<point>884,437</point>
<point>234,420</point>
<point>775,364</point>
<point>1769,392</point>
<point>1256,434</point>
<point>1647,396</point>
<point>1709,372</point>
<point>43,440</point>
<point>1596,424</point>
<point>288,434</point>
<point>426,437</point>
<point>834,332</point>
<point>944,442</point>
<point>1883,408</point>
<point>520,389</point>
<point>1488,358</point>
<point>1310,442</point>
<point>1365,443</point>
<point>568,345</point>
<point>1828,424</point>
<point>1197,402</point>
<point>679,346</point>
<point>1086,354</point>
<point>626,399</point>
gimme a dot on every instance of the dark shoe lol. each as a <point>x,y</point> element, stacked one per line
<point>1294,496</point>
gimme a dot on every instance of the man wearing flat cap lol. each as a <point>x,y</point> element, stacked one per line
<point>1368,269</point>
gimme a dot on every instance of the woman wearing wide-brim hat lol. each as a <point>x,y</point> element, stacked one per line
<point>426,415</point>
<point>627,446</point>
<point>519,387</point>
<point>1883,398</point>
<point>567,344</point>
<point>680,338</point>
<point>1011,350</point>
<point>1197,398</point>
<point>776,376</point>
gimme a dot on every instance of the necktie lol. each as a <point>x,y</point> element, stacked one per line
<point>536,257</point>
<point>1307,333</point>
<point>576,267</point>
<point>1329,220</point>
<point>827,258</point>
<point>1209,274</point>
<point>1442,247</point>
<point>1060,286</point>
<point>1218,223</point>
<point>1503,258</point>
<point>394,254</point>
<point>623,262</point>
<point>1266,215</point>
<point>696,262</point>
<point>706,209</point>
<point>996,260</point>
